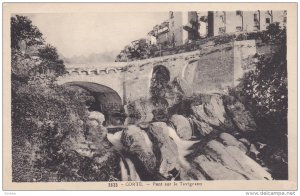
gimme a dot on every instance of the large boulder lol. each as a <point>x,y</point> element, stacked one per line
<point>201,128</point>
<point>97,116</point>
<point>210,110</point>
<point>164,148</point>
<point>245,142</point>
<point>229,140</point>
<point>215,170</point>
<point>248,165</point>
<point>90,149</point>
<point>140,110</point>
<point>182,126</point>
<point>96,133</point>
<point>241,117</point>
<point>228,163</point>
<point>93,142</point>
<point>191,174</point>
<point>138,147</point>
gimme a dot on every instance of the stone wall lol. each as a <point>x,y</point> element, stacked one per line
<point>243,58</point>
<point>214,70</point>
<point>211,69</point>
<point>219,67</point>
<point>138,76</point>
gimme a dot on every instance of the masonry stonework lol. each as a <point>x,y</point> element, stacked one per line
<point>211,69</point>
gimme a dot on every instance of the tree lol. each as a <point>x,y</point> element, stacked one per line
<point>138,49</point>
<point>22,29</point>
<point>50,60</point>
<point>48,121</point>
<point>275,34</point>
<point>264,89</point>
<point>37,58</point>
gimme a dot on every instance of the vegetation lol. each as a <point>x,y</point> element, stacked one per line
<point>264,91</point>
<point>49,122</point>
<point>140,49</point>
<point>265,87</point>
<point>23,30</point>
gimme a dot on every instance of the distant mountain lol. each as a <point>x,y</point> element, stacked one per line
<point>92,58</point>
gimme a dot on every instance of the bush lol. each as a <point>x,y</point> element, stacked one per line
<point>49,122</point>
<point>224,39</point>
<point>264,91</point>
<point>42,117</point>
<point>49,125</point>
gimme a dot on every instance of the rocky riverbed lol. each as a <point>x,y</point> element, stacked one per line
<point>208,137</point>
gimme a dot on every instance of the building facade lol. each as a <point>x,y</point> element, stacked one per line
<point>220,22</point>
<point>181,27</point>
<point>177,29</point>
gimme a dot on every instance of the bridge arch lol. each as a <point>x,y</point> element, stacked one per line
<point>107,100</point>
<point>159,82</point>
<point>113,81</point>
<point>162,72</point>
<point>103,94</point>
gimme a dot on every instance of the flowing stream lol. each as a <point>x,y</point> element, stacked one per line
<point>128,171</point>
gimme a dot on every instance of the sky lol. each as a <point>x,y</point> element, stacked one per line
<point>86,33</point>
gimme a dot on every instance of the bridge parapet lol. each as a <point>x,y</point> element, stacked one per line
<point>93,71</point>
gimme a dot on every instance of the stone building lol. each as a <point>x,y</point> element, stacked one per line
<point>182,27</point>
<point>177,29</point>
<point>220,22</point>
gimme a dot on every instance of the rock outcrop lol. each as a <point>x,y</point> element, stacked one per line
<point>228,162</point>
<point>201,128</point>
<point>229,140</point>
<point>141,109</point>
<point>93,148</point>
<point>209,144</point>
<point>165,148</point>
<point>138,148</point>
<point>99,117</point>
<point>241,117</point>
<point>208,113</point>
<point>182,126</point>
<point>93,142</point>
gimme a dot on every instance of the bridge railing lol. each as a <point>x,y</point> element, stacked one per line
<point>94,71</point>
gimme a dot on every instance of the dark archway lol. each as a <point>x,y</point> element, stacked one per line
<point>107,101</point>
<point>159,84</point>
<point>162,72</point>
<point>158,89</point>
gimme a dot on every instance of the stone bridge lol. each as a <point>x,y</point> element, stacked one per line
<point>211,69</point>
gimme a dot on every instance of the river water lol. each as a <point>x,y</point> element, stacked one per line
<point>128,169</point>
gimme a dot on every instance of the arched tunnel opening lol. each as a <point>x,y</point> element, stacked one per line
<point>159,84</point>
<point>105,100</point>
<point>158,90</point>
